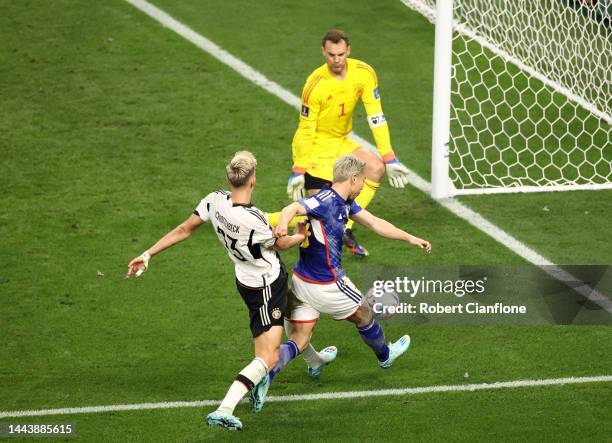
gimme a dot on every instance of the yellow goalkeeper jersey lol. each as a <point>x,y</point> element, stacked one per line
<point>326,117</point>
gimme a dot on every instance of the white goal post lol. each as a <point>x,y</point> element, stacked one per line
<point>522,95</point>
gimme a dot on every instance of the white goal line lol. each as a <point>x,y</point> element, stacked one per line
<point>523,189</point>
<point>311,397</point>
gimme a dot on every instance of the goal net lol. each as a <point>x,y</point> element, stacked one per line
<point>529,104</point>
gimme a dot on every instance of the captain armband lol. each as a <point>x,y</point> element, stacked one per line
<point>377,120</point>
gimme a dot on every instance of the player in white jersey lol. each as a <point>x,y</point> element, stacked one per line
<point>244,231</point>
<point>261,278</point>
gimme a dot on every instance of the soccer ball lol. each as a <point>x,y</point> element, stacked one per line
<point>382,303</point>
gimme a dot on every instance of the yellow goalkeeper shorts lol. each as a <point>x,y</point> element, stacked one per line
<point>325,152</point>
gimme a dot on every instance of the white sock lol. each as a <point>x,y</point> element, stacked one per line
<point>312,357</point>
<point>245,381</point>
<point>309,354</point>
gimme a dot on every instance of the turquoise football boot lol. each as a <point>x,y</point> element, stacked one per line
<point>227,421</point>
<point>328,355</point>
<point>395,350</point>
<point>257,397</point>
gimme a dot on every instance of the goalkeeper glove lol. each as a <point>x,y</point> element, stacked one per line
<point>295,186</point>
<point>397,173</point>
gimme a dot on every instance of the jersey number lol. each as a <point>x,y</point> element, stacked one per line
<point>232,246</point>
<point>342,114</point>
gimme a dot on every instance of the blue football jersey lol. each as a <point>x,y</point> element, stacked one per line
<point>320,254</point>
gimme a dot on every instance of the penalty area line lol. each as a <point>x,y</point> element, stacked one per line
<point>454,206</point>
<point>321,396</point>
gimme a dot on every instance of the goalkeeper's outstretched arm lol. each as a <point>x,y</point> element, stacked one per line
<point>177,235</point>
<point>388,230</point>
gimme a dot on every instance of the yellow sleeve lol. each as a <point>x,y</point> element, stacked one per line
<point>305,133</point>
<point>376,117</point>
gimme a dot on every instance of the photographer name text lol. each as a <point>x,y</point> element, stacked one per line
<point>437,308</point>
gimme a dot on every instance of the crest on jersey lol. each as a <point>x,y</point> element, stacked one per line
<point>358,88</point>
<point>305,110</point>
<point>276,313</point>
<point>376,94</point>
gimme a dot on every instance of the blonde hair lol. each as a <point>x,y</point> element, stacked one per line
<point>347,166</point>
<point>240,168</point>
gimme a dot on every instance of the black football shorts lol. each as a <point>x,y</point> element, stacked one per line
<point>267,305</point>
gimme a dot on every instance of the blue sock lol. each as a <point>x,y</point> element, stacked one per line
<point>288,351</point>
<point>373,336</point>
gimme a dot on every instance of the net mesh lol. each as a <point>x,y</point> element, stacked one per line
<point>531,100</point>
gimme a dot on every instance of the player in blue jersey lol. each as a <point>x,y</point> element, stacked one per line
<point>319,282</point>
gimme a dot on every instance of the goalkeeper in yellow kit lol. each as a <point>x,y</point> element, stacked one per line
<point>329,98</point>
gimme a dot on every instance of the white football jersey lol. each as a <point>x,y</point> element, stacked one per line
<point>247,236</point>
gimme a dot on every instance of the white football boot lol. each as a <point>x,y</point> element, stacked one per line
<point>327,355</point>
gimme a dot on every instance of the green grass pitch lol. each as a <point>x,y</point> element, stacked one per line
<point>114,127</point>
